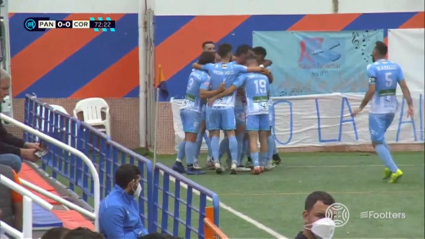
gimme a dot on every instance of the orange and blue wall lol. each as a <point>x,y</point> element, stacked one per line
<point>82,63</point>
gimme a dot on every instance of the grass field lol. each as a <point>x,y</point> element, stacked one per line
<point>276,199</point>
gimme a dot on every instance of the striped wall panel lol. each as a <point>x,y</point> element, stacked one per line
<point>83,63</point>
<point>77,63</point>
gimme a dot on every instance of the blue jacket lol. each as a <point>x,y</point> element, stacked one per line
<point>119,216</point>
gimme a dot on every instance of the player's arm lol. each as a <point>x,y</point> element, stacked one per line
<point>372,80</point>
<point>17,205</point>
<point>406,92</point>
<point>268,73</point>
<point>267,63</point>
<point>269,76</point>
<point>205,67</point>
<point>258,69</point>
<point>205,93</point>
<point>369,94</point>
<point>239,82</point>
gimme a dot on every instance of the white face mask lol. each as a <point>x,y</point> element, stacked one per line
<point>137,191</point>
<point>323,228</point>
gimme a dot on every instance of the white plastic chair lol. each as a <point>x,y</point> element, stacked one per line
<point>92,109</point>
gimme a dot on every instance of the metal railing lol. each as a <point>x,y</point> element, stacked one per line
<point>69,171</point>
<point>28,198</point>
<point>73,151</point>
<point>169,202</point>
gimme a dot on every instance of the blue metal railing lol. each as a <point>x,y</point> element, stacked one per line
<point>107,156</point>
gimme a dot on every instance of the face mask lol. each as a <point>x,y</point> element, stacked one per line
<point>323,228</point>
<point>137,191</point>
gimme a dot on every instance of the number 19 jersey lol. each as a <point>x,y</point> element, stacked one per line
<point>385,75</point>
<point>256,93</point>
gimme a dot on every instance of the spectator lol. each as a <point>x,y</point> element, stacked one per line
<point>55,233</point>
<point>11,201</point>
<point>12,149</point>
<point>316,224</point>
<point>83,233</point>
<point>119,211</point>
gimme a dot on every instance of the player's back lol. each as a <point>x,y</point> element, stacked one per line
<point>256,93</point>
<point>387,75</point>
<point>192,99</point>
<point>222,73</point>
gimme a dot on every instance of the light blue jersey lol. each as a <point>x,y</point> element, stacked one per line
<point>224,73</point>
<point>190,111</point>
<point>385,75</point>
<point>197,80</point>
<point>256,92</point>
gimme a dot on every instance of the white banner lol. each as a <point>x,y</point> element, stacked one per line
<point>319,120</point>
<point>406,47</point>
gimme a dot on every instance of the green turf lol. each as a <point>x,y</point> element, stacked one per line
<point>276,198</point>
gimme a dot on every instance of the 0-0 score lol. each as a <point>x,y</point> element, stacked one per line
<point>63,24</point>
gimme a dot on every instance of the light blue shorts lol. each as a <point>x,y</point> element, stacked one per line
<point>221,119</point>
<point>378,125</point>
<point>191,120</point>
<point>240,115</point>
<point>258,122</point>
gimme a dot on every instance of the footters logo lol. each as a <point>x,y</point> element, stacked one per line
<point>382,215</point>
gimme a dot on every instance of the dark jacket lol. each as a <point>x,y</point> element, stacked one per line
<point>9,144</point>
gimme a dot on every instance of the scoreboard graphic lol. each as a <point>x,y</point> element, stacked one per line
<point>38,24</point>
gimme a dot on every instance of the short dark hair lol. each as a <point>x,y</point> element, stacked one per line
<point>260,51</point>
<point>381,48</point>
<point>207,42</point>
<point>55,233</point>
<point>251,57</point>
<point>316,196</point>
<point>82,233</point>
<point>125,174</point>
<point>242,49</point>
<point>206,57</point>
<point>224,49</point>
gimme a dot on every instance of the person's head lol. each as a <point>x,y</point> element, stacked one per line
<point>251,60</point>
<point>380,51</point>
<point>315,213</point>
<point>208,46</point>
<point>55,233</point>
<point>206,57</point>
<point>82,233</point>
<point>225,52</point>
<point>260,53</point>
<point>242,53</point>
<point>128,178</point>
<point>4,84</point>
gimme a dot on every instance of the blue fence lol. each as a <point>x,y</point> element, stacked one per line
<point>107,155</point>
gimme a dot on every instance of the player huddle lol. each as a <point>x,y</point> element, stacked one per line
<point>229,93</point>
